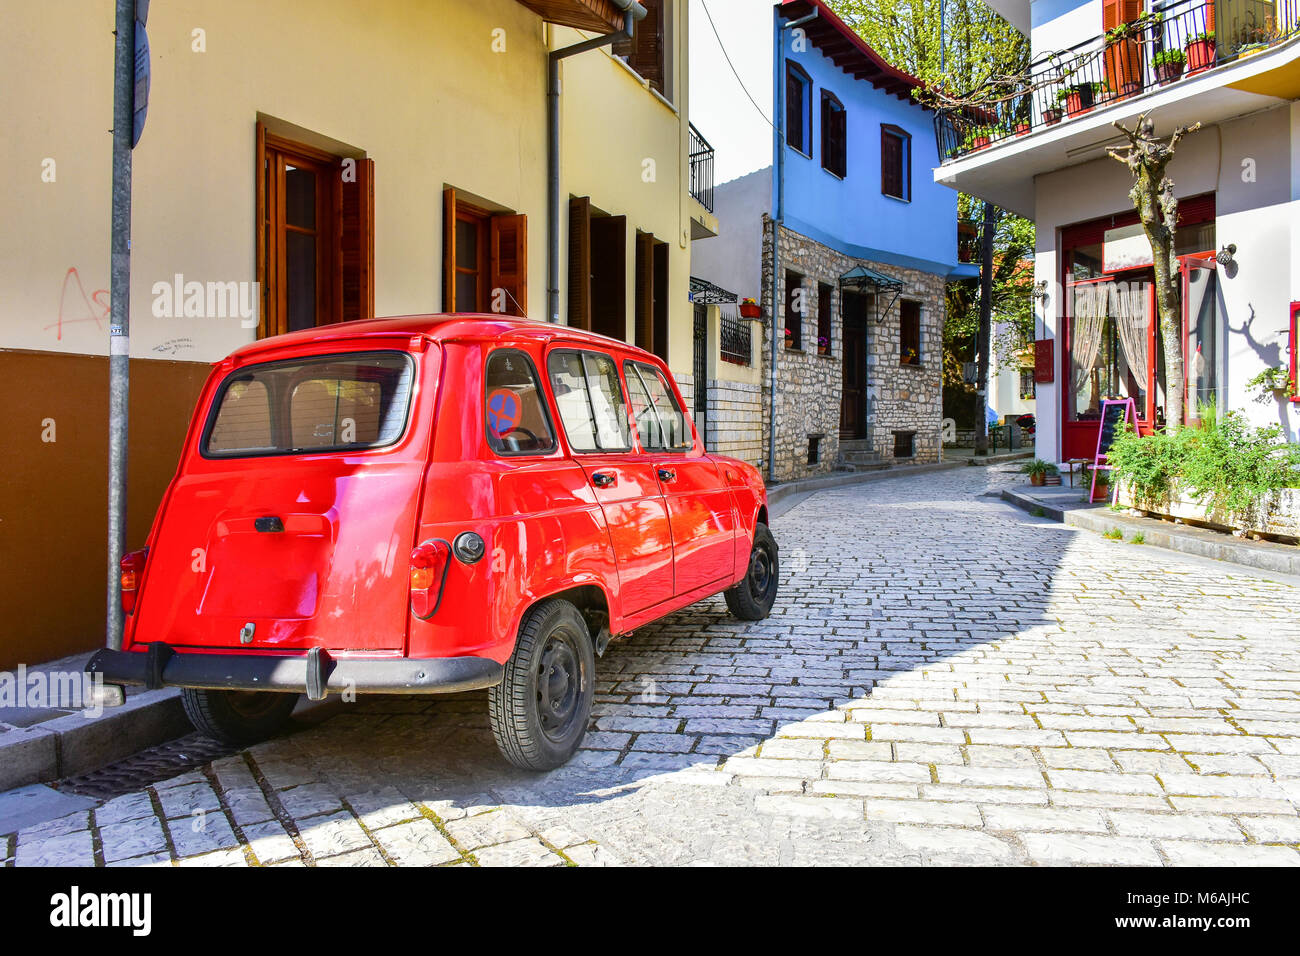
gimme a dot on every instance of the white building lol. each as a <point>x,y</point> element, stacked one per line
<point>1234,67</point>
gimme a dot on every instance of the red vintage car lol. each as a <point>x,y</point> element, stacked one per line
<point>428,505</point>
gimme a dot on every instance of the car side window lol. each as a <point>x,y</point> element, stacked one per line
<point>514,411</point>
<point>659,419</point>
<point>590,400</point>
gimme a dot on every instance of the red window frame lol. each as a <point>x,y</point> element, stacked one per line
<point>1295,346</point>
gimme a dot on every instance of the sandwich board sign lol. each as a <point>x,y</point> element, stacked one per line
<point>1114,411</point>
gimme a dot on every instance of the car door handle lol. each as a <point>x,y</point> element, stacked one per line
<point>667,474</point>
<point>602,479</point>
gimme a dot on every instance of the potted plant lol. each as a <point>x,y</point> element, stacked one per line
<point>1038,470</point>
<point>1051,116</point>
<point>978,137</point>
<point>1076,99</point>
<point>1022,127</point>
<point>1169,64</point>
<point>789,337</point>
<point>823,345</point>
<point>1272,383</point>
<point>1200,52</point>
<point>749,309</point>
<point>1102,487</point>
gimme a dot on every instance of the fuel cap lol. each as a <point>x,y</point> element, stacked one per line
<point>468,547</point>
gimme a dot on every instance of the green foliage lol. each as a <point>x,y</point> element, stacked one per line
<point>1114,534</point>
<point>1138,538</point>
<point>1169,58</point>
<point>1039,467</point>
<point>1225,464</point>
<point>1269,381</point>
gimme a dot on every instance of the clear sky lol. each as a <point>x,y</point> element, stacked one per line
<point>719,108</point>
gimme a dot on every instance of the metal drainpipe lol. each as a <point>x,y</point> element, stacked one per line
<point>778,133</point>
<point>632,12</point>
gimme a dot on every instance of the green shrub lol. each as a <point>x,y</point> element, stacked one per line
<point>1225,464</point>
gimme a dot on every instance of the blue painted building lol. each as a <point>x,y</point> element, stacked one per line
<point>866,241</point>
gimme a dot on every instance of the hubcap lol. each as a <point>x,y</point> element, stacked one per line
<point>559,686</point>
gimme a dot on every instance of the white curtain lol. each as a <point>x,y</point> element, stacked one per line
<point>1128,305</point>
<point>1090,303</point>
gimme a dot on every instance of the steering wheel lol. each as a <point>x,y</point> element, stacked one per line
<point>509,436</point>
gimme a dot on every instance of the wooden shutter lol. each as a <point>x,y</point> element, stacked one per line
<point>608,276</point>
<point>645,51</point>
<point>358,243</point>
<point>891,164</point>
<point>645,291</point>
<point>449,250</point>
<point>580,262</point>
<point>508,252</point>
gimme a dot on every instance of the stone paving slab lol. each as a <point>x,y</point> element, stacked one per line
<point>945,681</point>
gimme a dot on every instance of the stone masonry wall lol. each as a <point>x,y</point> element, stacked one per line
<point>810,386</point>
<point>735,423</point>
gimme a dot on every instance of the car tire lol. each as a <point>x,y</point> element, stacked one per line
<point>237,717</point>
<point>752,598</point>
<point>540,710</point>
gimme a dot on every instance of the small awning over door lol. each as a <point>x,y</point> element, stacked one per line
<point>599,15</point>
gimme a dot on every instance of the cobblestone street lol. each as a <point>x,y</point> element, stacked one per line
<point>944,680</point>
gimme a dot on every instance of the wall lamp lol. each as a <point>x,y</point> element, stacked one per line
<point>1226,254</point>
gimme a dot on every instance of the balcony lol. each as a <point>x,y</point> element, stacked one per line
<point>1195,60</point>
<point>701,157</point>
<point>968,241</point>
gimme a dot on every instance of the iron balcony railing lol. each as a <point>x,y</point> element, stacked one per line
<point>1169,42</point>
<point>701,156</point>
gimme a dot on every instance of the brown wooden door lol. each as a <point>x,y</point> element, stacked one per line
<point>853,404</point>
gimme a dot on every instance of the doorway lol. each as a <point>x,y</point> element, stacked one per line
<point>700,370</point>
<point>853,402</point>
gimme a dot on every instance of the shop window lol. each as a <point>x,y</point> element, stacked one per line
<point>515,413</point>
<point>798,109</point>
<point>825,314</point>
<point>484,258</point>
<point>315,236</point>
<point>909,332</point>
<point>895,162</point>
<point>794,307</point>
<point>834,136</point>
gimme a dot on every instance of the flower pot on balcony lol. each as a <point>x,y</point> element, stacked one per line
<point>1169,65</point>
<point>979,142</point>
<point>1051,117</point>
<point>750,310</point>
<point>1079,99</point>
<point>1022,128</point>
<point>1200,54</point>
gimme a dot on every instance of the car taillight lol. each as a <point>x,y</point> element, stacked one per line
<point>428,571</point>
<point>132,566</point>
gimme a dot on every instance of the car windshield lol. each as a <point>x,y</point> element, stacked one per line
<point>319,404</point>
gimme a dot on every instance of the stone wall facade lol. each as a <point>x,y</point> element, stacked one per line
<point>735,420</point>
<point>900,398</point>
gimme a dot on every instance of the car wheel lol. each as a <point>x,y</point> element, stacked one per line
<point>753,597</point>
<point>540,710</point>
<point>237,717</point>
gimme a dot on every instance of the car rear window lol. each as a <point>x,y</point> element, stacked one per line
<point>321,404</point>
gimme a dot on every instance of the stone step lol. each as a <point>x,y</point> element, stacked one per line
<point>851,466</point>
<point>860,457</point>
<point>855,444</point>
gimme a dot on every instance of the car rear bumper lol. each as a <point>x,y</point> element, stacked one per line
<point>315,673</point>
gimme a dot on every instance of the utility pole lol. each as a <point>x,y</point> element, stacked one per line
<point>985,335</point>
<point>119,331</point>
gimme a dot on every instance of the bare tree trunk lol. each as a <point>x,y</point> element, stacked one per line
<point>1152,195</point>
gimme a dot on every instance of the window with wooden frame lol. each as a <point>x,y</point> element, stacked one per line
<point>646,52</point>
<point>315,235</point>
<point>834,136</point>
<point>909,332</point>
<point>895,162</point>
<point>794,308</point>
<point>798,109</point>
<point>484,258</point>
<point>825,314</point>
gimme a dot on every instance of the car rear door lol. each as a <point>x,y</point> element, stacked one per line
<point>701,514</point>
<point>291,524</point>
<point>593,409</point>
